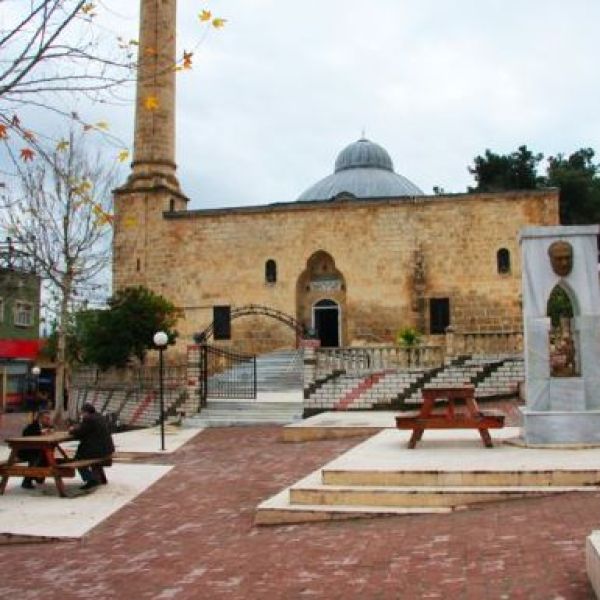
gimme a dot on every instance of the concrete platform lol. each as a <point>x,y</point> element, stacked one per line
<point>448,470</point>
<point>342,424</point>
<point>592,560</point>
<point>41,513</point>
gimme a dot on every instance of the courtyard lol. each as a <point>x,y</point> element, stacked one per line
<point>192,535</point>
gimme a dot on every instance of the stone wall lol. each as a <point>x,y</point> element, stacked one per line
<point>199,259</point>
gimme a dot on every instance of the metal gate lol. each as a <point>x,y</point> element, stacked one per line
<point>225,374</point>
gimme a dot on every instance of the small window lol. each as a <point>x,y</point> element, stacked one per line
<point>503,261</point>
<point>439,315</point>
<point>270,271</point>
<point>222,322</point>
<point>23,314</point>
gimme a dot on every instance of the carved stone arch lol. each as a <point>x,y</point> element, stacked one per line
<point>321,280</point>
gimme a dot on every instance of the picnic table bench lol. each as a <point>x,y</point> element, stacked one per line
<point>56,467</point>
<point>450,418</point>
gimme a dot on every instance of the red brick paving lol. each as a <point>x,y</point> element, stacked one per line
<point>191,536</point>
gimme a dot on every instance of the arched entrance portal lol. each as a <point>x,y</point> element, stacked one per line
<point>326,322</point>
<point>321,299</point>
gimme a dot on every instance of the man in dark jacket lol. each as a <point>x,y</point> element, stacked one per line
<point>41,424</point>
<point>95,441</point>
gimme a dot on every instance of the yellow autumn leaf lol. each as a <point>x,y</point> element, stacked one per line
<point>218,23</point>
<point>205,15</point>
<point>151,103</point>
<point>104,219</point>
<point>123,155</point>
<point>62,145</point>
<point>134,43</point>
<point>187,59</point>
<point>88,8</point>
<point>102,125</point>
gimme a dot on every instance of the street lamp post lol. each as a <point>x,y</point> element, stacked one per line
<point>160,340</point>
<point>35,371</point>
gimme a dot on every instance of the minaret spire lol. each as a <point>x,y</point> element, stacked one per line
<point>153,165</point>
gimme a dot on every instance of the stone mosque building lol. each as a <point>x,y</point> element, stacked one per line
<point>359,255</point>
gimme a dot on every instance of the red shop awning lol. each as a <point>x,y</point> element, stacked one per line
<point>24,349</point>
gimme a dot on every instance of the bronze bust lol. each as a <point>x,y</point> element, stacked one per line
<point>561,257</point>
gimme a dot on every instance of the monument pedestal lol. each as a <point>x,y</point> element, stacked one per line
<point>560,426</point>
<point>567,394</point>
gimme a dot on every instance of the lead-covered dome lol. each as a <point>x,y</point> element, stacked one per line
<point>364,170</point>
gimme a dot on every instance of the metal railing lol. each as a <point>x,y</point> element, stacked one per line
<point>222,373</point>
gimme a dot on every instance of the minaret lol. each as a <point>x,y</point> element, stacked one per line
<point>153,166</point>
<point>152,189</point>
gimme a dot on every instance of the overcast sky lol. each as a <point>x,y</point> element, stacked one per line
<point>276,94</point>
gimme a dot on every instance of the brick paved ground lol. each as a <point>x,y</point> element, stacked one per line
<point>191,536</point>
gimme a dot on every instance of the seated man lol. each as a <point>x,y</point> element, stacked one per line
<point>41,424</point>
<point>95,441</point>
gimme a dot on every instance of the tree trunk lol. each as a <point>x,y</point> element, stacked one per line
<point>59,390</point>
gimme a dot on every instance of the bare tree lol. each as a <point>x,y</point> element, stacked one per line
<point>60,215</point>
<point>51,48</point>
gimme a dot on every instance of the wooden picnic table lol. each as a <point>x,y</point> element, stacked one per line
<point>58,465</point>
<point>449,417</point>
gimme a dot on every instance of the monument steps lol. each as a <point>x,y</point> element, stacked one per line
<point>448,471</point>
<point>315,498</point>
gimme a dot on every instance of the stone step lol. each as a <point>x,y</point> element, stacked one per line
<point>440,496</point>
<point>257,406</point>
<point>551,477</point>
<point>280,514</point>
<point>234,421</point>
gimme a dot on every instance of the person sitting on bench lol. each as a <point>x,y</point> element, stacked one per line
<point>41,424</point>
<point>95,441</point>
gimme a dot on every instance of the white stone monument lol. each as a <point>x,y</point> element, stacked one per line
<point>561,409</point>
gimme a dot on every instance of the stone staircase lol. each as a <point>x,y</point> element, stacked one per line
<point>279,371</point>
<point>228,413</point>
<point>279,396</point>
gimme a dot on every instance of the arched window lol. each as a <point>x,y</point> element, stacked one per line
<point>270,271</point>
<point>503,260</point>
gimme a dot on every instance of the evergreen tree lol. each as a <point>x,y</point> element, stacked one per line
<point>576,176</point>
<point>110,338</point>
<point>497,172</point>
